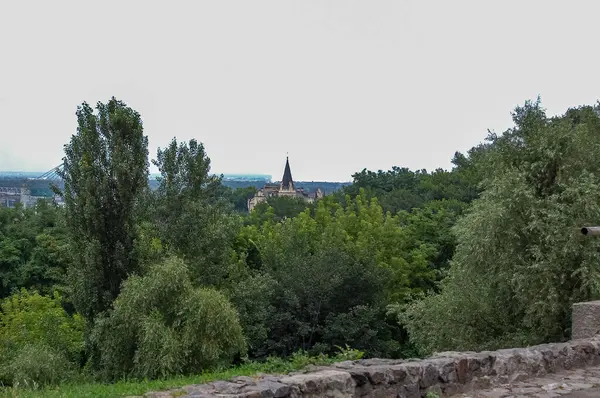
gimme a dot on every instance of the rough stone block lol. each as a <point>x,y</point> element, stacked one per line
<point>586,320</point>
<point>326,383</point>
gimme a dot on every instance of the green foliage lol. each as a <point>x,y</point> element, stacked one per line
<point>349,354</point>
<point>489,248</point>
<point>362,326</point>
<point>239,197</point>
<point>161,325</point>
<point>10,260</point>
<point>282,207</point>
<point>275,365</point>
<point>253,296</point>
<point>401,189</point>
<point>323,278</point>
<point>191,217</point>
<point>105,171</point>
<point>148,246</point>
<point>520,262</point>
<point>39,342</point>
<point>184,172</point>
<point>37,365</point>
<point>430,229</point>
<point>34,249</point>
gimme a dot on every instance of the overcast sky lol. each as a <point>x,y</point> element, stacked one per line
<point>340,85</point>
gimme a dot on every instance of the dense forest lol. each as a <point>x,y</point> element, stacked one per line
<point>128,282</point>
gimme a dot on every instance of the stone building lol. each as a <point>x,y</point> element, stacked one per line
<point>286,188</point>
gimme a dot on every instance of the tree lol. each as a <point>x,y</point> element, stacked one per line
<point>192,217</point>
<point>520,261</point>
<point>34,248</point>
<point>184,172</point>
<point>401,189</point>
<point>239,197</point>
<point>281,207</point>
<point>10,259</point>
<point>105,170</point>
<point>308,277</point>
<point>39,341</point>
<point>162,325</point>
<point>430,228</point>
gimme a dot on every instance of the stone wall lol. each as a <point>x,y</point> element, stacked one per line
<point>445,373</point>
<point>585,319</point>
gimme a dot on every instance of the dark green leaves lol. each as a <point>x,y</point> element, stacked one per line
<point>105,171</point>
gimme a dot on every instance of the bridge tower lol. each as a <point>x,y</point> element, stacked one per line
<point>12,193</point>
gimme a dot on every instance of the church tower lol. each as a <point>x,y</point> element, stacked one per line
<point>287,183</point>
<point>286,188</point>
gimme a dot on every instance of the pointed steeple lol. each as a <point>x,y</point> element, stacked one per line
<point>287,182</point>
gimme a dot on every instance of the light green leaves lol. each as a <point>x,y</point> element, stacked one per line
<point>161,325</point>
<point>37,334</point>
<point>520,262</point>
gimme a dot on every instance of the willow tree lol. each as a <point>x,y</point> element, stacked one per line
<point>105,171</point>
<point>520,261</point>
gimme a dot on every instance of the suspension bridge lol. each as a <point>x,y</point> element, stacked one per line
<point>28,190</point>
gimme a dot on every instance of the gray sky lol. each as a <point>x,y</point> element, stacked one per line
<point>340,85</point>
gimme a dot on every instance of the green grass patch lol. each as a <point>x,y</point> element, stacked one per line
<point>297,362</point>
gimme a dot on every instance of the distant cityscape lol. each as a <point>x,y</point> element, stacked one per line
<point>27,187</point>
<point>226,177</point>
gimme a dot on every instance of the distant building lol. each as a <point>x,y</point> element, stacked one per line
<point>285,188</point>
<point>11,196</point>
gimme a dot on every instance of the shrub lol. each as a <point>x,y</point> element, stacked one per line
<point>39,365</point>
<point>362,327</point>
<point>253,299</point>
<point>36,334</point>
<point>161,325</point>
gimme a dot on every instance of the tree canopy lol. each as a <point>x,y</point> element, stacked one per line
<point>133,280</point>
<point>105,170</point>
<point>520,262</point>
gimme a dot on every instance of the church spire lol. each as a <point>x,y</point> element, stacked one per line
<point>287,182</point>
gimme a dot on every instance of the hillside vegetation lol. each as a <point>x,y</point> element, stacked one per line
<point>128,283</point>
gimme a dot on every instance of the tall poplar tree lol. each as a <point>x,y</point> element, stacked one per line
<point>105,171</point>
<point>192,218</point>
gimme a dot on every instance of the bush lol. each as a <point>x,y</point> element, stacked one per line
<point>253,298</point>
<point>161,325</point>
<point>36,334</point>
<point>39,365</point>
<point>363,327</point>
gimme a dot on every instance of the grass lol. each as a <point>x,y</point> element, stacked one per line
<point>127,388</point>
<point>297,362</point>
